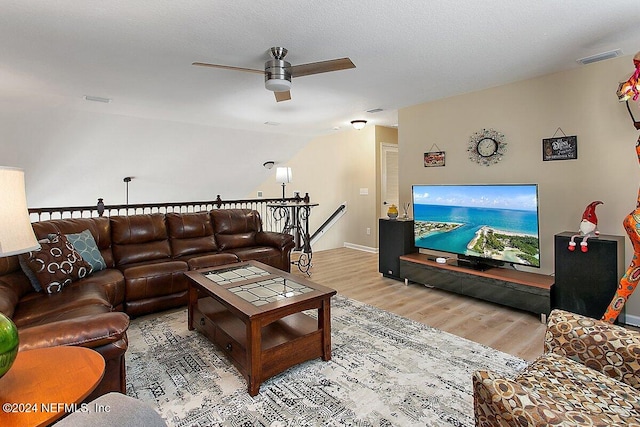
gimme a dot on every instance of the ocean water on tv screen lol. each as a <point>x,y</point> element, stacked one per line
<point>457,228</point>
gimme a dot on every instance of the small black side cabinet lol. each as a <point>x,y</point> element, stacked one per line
<point>586,281</point>
<point>395,238</point>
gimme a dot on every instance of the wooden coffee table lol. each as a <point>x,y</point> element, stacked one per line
<point>253,312</point>
<point>46,383</point>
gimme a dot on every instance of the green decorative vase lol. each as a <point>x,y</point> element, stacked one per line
<point>8,343</point>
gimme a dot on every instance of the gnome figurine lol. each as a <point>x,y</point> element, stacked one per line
<point>588,227</point>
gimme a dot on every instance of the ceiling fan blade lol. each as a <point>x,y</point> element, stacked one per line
<point>227,67</point>
<point>321,67</point>
<point>282,96</point>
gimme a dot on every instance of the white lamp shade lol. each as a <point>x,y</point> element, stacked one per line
<point>16,233</point>
<point>283,175</point>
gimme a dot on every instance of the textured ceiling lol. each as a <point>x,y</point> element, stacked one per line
<point>139,54</point>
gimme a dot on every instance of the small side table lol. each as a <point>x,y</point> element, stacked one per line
<point>296,222</point>
<point>46,383</point>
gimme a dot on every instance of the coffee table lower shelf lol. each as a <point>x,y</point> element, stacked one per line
<point>284,342</point>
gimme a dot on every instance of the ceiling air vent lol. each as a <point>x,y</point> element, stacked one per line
<point>375,110</point>
<point>600,56</point>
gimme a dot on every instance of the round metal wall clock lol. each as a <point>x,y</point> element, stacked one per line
<point>486,147</point>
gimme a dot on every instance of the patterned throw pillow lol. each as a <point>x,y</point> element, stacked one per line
<point>86,245</point>
<point>33,279</point>
<point>57,264</point>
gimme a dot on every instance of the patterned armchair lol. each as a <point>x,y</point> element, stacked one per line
<point>588,375</point>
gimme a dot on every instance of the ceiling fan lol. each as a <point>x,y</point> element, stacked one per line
<point>278,72</point>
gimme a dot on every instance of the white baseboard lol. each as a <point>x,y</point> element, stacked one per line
<point>630,319</point>
<point>361,248</point>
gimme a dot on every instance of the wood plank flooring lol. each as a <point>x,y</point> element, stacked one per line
<point>354,274</point>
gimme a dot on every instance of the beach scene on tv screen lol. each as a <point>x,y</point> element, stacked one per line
<point>498,222</point>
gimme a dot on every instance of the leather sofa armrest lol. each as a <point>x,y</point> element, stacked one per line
<point>8,299</point>
<point>500,401</point>
<point>610,349</point>
<point>86,331</point>
<point>281,241</point>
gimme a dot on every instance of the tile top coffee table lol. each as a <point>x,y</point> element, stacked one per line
<point>254,313</point>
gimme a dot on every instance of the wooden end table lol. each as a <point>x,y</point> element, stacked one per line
<point>253,312</point>
<point>46,383</point>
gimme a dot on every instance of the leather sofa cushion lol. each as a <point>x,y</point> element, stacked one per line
<point>155,279</point>
<point>111,281</point>
<point>139,238</point>
<point>38,306</point>
<point>9,265</point>
<point>99,227</point>
<point>190,233</point>
<point>210,260</point>
<point>258,253</point>
<point>235,228</point>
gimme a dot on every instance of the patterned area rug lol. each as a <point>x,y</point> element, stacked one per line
<point>385,370</point>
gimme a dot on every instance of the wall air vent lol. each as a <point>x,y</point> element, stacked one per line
<point>600,56</point>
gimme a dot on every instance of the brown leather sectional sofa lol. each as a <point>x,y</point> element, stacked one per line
<point>146,256</point>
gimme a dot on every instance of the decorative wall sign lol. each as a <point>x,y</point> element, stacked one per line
<point>560,148</point>
<point>486,147</point>
<point>433,159</point>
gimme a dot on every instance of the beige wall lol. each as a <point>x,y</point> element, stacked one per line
<point>333,169</point>
<point>582,102</point>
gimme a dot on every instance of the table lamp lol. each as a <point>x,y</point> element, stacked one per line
<point>16,237</point>
<point>283,175</point>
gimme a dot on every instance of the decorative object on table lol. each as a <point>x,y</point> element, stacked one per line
<point>16,237</point>
<point>588,227</point>
<point>434,158</point>
<point>392,212</point>
<point>405,210</point>
<point>629,282</point>
<point>560,147</point>
<point>283,175</point>
<point>8,343</point>
<point>487,147</point>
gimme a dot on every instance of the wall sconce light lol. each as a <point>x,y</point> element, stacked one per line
<point>268,164</point>
<point>358,124</point>
<point>284,176</point>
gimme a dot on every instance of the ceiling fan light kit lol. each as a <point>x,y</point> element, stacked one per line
<point>277,71</point>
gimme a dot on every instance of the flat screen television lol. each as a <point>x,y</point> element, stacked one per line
<point>484,225</point>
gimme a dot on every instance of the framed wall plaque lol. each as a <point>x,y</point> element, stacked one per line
<point>560,148</point>
<point>433,159</point>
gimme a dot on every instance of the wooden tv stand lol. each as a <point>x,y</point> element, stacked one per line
<point>513,288</point>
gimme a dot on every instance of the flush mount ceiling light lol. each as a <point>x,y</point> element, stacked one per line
<point>268,164</point>
<point>358,124</point>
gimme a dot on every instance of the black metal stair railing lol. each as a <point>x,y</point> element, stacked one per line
<point>102,209</point>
